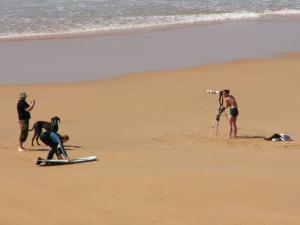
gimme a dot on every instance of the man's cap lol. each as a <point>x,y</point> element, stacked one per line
<point>23,95</point>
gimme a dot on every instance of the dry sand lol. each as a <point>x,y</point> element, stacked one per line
<point>156,163</point>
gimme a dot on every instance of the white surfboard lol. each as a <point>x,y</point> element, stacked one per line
<point>48,162</point>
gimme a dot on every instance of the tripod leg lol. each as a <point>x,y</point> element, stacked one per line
<point>216,122</point>
<point>212,129</point>
<point>217,128</point>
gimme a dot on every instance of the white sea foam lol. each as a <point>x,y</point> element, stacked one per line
<point>283,12</point>
<point>140,22</point>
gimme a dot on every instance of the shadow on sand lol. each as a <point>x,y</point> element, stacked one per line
<point>45,149</point>
<point>73,146</point>
<point>251,137</point>
<point>38,149</point>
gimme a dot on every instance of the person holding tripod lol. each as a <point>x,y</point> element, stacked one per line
<point>231,103</point>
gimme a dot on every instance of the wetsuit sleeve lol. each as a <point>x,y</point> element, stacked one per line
<point>56,139</point>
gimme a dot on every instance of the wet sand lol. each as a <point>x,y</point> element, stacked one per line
<point>104,57</point>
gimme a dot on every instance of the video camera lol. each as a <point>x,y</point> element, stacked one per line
<point>209,91</point>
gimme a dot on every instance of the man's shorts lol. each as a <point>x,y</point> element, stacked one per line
<point>234,112</point>
<point>24,125</point>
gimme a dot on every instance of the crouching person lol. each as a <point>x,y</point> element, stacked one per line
<point>55,142</point>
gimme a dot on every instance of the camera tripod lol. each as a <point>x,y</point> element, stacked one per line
<point>216,121</point>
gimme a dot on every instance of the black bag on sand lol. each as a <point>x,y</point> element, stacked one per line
<point>279,137</point>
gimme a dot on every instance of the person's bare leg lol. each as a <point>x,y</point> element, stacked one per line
<point>235,131</point>
<point>21,147</point>
<point>230,127</point>
<point>234,128</point>
<point>21,138</point>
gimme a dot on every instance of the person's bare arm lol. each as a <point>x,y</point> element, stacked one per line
<point>30,106</point>
<point>227,103</point>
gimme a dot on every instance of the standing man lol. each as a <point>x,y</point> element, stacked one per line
<point>233,113</point>
<point>24,116</point>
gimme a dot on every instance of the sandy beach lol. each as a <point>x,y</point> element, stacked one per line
<point>156,164</point>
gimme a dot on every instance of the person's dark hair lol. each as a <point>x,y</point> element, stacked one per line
<point>227,91</point>
<point>64,138</point>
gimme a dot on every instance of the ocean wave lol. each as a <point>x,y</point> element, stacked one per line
<point>283,12</point>
<point>144,22</point>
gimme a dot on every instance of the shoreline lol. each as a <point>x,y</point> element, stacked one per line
<point>106,57</point>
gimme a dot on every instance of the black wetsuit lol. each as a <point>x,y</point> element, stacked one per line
<point>53,140</point>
